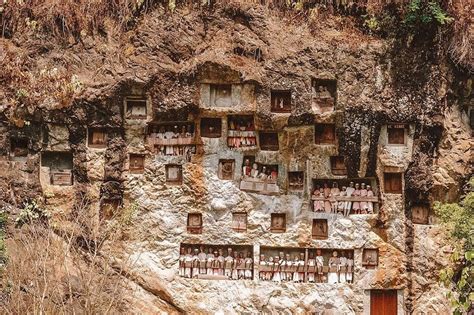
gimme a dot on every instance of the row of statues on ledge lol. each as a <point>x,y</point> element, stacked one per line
<point>172,132</point>
<point>241,141</point>
<point>284,268</point>
<point>256,173</point>
<point>208,262</point>
<point>175,150</point>
<point>335,200</point>
<point>173,140</point>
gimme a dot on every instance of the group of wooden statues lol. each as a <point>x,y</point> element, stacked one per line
<point>207,263</point>
<point>255,172</point>
<point>215,264</point>
<point>172,140</point>
<point>314,269</point>
<point>356,198</point>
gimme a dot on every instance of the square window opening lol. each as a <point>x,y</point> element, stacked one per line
<point>174,174</point>
<point>281,101</point>
<point>211,127</point>
<point>278,223</point>
<point>269,141</point>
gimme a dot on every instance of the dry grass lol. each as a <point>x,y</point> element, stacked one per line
<point>67,17</point>
<point>64,268</point>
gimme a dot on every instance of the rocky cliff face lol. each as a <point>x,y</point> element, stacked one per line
<point>171,61</point>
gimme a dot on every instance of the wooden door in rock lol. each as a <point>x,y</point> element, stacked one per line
<point>383,302</point>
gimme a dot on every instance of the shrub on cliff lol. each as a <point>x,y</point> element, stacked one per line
<point>459,222</point>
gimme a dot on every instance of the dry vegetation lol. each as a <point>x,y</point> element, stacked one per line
<point>64,267</point>
<point>69,20</point>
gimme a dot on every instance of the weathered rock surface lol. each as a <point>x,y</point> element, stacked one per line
<point>166,58</point>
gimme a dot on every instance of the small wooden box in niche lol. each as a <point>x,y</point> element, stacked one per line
<point>226,169</point>
<point>239,221</point>
<point>370,258</point>
<point>136,163</point>
<point>174,174</point>
<point>278,222</point>
<point>194,225</point>
<point>320,229</point>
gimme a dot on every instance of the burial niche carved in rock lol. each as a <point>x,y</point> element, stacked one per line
<point>320,229</point>
<point>18,147</point>
<point>278,222</point>
<point>323,95</point>
<point>239,221</point>
<point>268,141</point>
<point>136,163</point>
<point>135,108</point>
<point>397,134</point>
<point>241,133</point>
<point>259,178</point>
<point>211,127</point>
<point>226,169</point>
<point>325,134</point>
<point>194,224</point>
<point>60,165</point>
<point>338,166</point>
<point>221,95</point>
<point>296,180</point>
<point>370,258</point>
<point>174,174</point>
<point>97,137</point>
<point>393,183</point>
<point>420,213</point>
<point>280,101</point>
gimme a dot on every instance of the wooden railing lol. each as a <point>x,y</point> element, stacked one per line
<point>152,141</point>
<point>346,198</point>
<point>265,187</point>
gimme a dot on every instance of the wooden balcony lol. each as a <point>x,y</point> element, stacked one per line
<point>351,198</point>
<point>264,187</point>
<point>153,140</point>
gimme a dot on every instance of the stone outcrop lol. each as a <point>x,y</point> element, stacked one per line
<point>170,60</point>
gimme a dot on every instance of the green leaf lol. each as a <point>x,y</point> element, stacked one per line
<point>469,255</point>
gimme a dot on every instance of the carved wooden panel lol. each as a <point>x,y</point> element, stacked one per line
<point>370,258</point>
<point>396,133</point>
<point>278,222</point>
<point>194,223</point>
<point>61,177</point>
<point>97,137</point>
<point>338,167</point>
<point>239,221</point>
<point>211,127</point>
<point>174,174</point>
<point>383,302</point>
<point>325,134</point>
<point>136,108</point>
<point>281,101</point>
<point>320,229</point>
<point>393,183</point>
<point>226,169</point>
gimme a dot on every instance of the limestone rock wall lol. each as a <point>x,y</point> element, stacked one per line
<point>368,98</point>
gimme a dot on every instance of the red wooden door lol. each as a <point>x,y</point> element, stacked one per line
<point>383,302</point>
